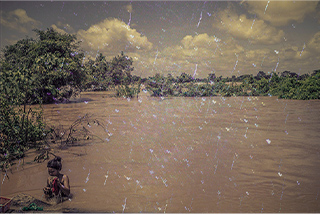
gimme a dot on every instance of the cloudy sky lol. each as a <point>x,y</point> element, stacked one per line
<point>196,37</point>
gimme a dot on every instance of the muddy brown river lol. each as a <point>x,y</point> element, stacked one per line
<point>214,154</point>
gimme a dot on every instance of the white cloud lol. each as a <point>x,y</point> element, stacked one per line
<point>112,36</point>
<point>255,30</point>
<point>280,13</point>
<point>199,55</point>
<point>204,46</point>
<point>18,20</point>
<point>54,27</point>
<point>291,53</point>
<point>65,27</point>
<point>314,43</point>
<point>203,54</point>
<point>193,48</point>
<point>200,41</point>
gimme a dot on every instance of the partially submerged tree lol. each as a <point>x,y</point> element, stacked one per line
<point>99,75</point>
<point>103,74</point>
<point>34,71</point>
<point>121,69</point>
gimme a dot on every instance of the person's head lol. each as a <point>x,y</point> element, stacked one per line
<point>54,166</point>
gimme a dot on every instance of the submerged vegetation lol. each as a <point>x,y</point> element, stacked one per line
<point>20,131</point>
<point>51,69</point>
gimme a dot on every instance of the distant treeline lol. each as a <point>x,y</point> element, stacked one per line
<point>286,85</point>
<point>51,68</point>
<point>184,78</point>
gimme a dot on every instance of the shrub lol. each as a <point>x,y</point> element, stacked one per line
<point>19,131</point>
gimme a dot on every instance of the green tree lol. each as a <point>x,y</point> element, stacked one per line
<point>212,77</point>
<point>262,86</point>
<point>184,78</point>
<point>99,74</point>
<point>170,78</point>
<point>309,88</point>
<point>121,68</point>
<point>35,71</point>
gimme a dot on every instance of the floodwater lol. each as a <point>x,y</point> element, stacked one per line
<point>214,154</point>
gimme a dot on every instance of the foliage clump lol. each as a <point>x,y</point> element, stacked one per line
<point>20,131</point>
<point>115,74</point>
<point>288,85</point>
<point>36,70</point>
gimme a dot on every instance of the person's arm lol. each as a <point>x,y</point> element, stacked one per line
<point>48,182</point>
<point>65,187</point>
<point>47,188</point>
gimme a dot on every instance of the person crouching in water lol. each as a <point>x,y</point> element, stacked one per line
<point>57,184</point>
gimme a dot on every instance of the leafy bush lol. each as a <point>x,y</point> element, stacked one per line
<point>128,91</point>
<point>19,131</point>
<point>33,71</point>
